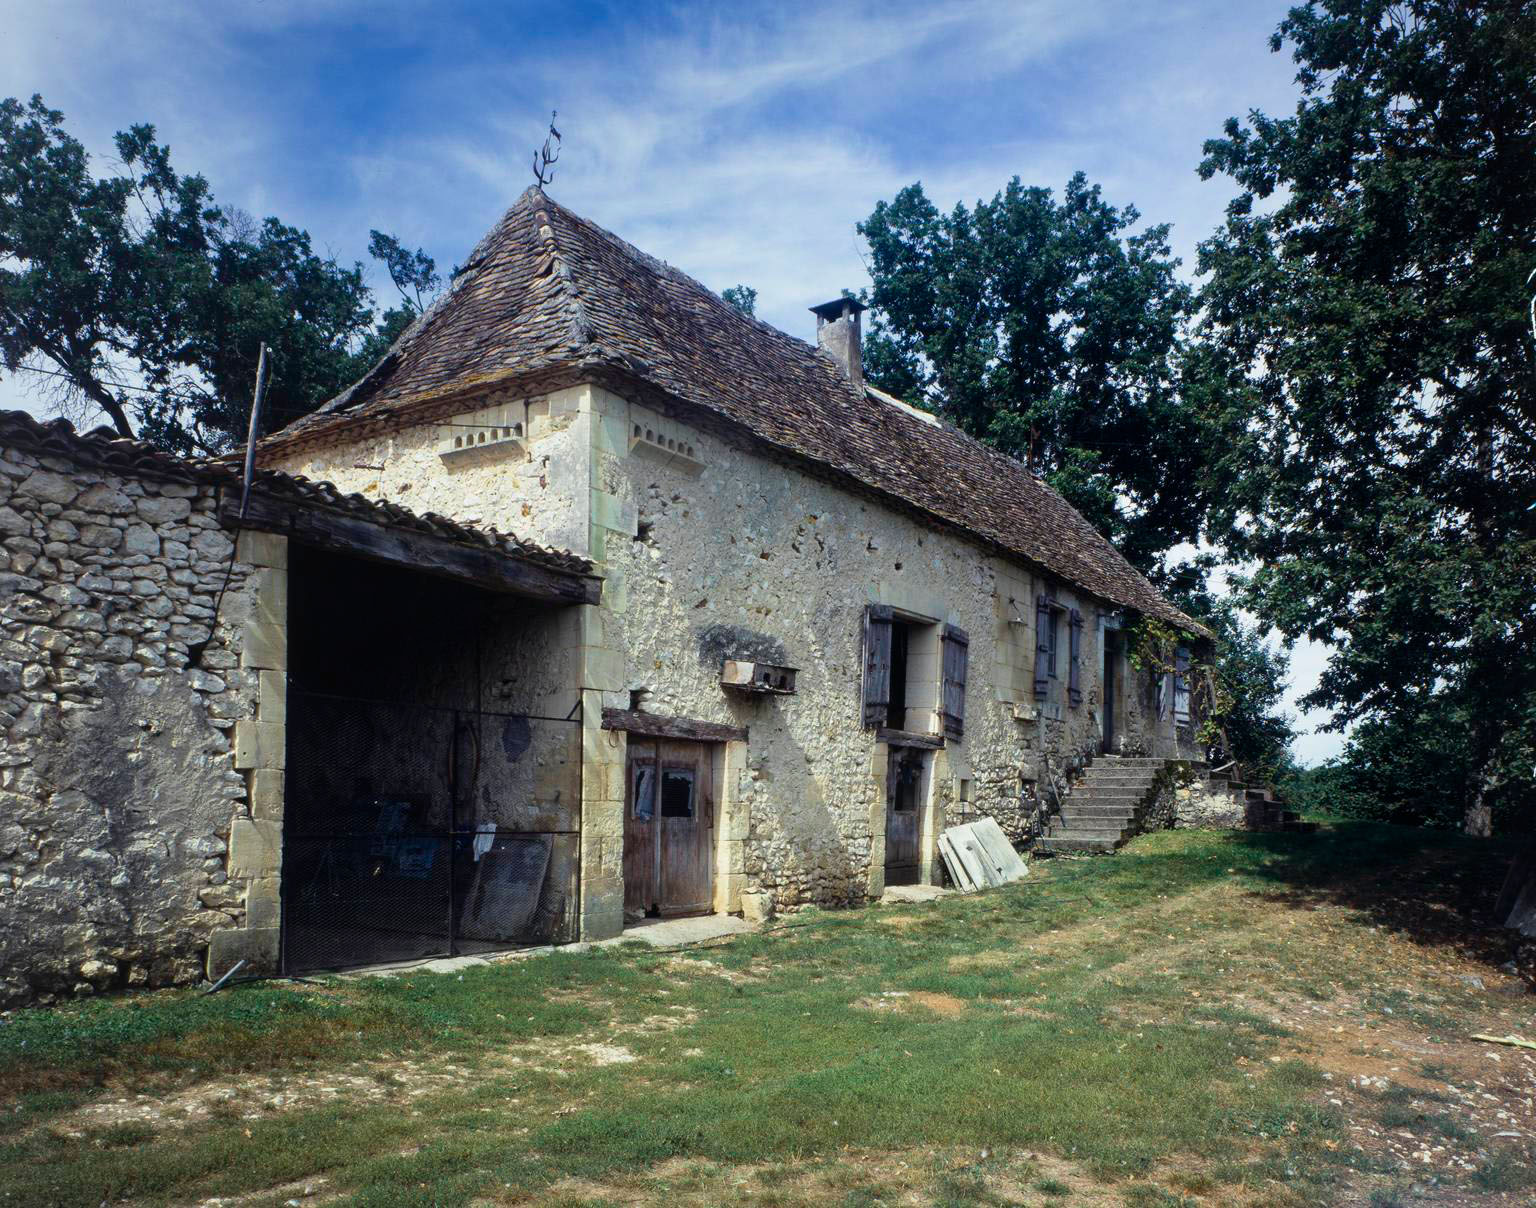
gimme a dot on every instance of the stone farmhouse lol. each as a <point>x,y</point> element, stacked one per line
<point>764,631</point>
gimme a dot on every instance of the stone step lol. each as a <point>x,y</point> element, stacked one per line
<point>1091,828</point>
<point>1106,797</point>
<point>1094,810</point>
<point>1120,778</point>
<point>1259,795</point>
<point>1068,843</point>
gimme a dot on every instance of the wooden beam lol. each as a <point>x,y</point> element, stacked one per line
<point>909,738</point>
<point>652,725</point>
<point>327,529</point>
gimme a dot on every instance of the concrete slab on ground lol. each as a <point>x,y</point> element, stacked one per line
<point>902,895</point>
<point>658,933</point>
<point>668,933</point>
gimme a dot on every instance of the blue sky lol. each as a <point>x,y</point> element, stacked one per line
<point>739,142</point>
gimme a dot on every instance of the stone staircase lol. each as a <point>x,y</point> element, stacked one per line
<point>1105,808</point>
<point>1262,811</point>
<point>1109,805</point>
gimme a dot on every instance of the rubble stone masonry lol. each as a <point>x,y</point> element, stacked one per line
<point>117,786</point>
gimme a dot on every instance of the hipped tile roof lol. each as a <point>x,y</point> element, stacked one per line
<point>104,450</point>
<point>547,293</point>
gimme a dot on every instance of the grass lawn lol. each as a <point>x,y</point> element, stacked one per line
<point>1203,1018</point>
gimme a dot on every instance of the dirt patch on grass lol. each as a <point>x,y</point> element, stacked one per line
<point>920,1178</point>
<point>940,1004</point>
<point>303,1191</point>
<point>698,967</point>
<point>603,1054</point>
<point>256,1098</point>
<point>981,962</point>
<point>399,1082</point>
<point>900,1001</point>
<point>671,1021</point>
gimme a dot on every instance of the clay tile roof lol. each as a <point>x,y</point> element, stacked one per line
<point>548,291</point>
<point>102,449</point>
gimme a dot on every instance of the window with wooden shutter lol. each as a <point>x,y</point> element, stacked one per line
<point>877,664</point>
<point>1075,661</point>
<point>1043,626</point>
<point>957,649</point>
<point>1181,684</point>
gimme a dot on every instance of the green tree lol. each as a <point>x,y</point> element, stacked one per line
<point>139,297</point>
<point>1251,678</point>
<point>415,276</point>
<point>743,298</point>
<point>1048,329</point>
<point>1369,366</point>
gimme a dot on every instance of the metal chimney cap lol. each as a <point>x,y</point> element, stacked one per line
<point>829,312</point>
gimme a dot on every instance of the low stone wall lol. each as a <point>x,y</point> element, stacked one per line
<point>116,782</point>
<point>1194,803</point>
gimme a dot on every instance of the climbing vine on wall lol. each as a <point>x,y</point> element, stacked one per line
<point>1151,646</point>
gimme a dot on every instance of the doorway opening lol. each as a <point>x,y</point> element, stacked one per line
<point>1113,689</point>
<point>903,815</point>
<point>432,799</point>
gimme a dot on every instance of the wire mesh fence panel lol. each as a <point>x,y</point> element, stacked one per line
<point>412,832</point>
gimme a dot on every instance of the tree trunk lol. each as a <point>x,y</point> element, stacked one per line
<point>104,399</point>
<point>1479,821</point>
<point>1485,743</point>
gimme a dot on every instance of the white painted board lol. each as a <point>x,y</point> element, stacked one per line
<point>978,856</point>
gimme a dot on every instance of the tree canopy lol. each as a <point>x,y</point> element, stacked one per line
<point>742,297</point>
<point>1368,360</point>
<point>1049,328</point>
<point>141,298</point>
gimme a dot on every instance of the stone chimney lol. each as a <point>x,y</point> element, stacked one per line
<point>837,331</point>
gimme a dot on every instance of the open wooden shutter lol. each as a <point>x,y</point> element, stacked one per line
<point>877,664</point>
<point>1075,663</point>
<point>957,652</point>
<point>1181,684</point>
<point>1042,646</point>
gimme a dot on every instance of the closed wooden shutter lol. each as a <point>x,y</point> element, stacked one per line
<point>1075,664</point>
<point>1042,647</point>
<point>1181,684</point>
<point>957,651</point>
<point>877,664</point>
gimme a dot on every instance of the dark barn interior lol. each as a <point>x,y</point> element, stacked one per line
<point>428,810</point>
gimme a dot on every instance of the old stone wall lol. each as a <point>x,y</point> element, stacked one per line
<point>1196,804</point>
<point>711,549</point>
<point>532,483</point>
<point>116,783</point>
<point>729,553</point>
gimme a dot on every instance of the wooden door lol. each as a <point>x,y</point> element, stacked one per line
<point>669,827</point>
<point>903,815</point>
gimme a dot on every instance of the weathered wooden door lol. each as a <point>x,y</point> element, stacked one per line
<point>903,790</point>
<point>669,827</point>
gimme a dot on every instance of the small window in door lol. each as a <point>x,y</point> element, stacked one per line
<point>645,793</point>
<point>677,793</point>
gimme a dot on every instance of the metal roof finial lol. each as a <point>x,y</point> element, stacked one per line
<point>544,158</point>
